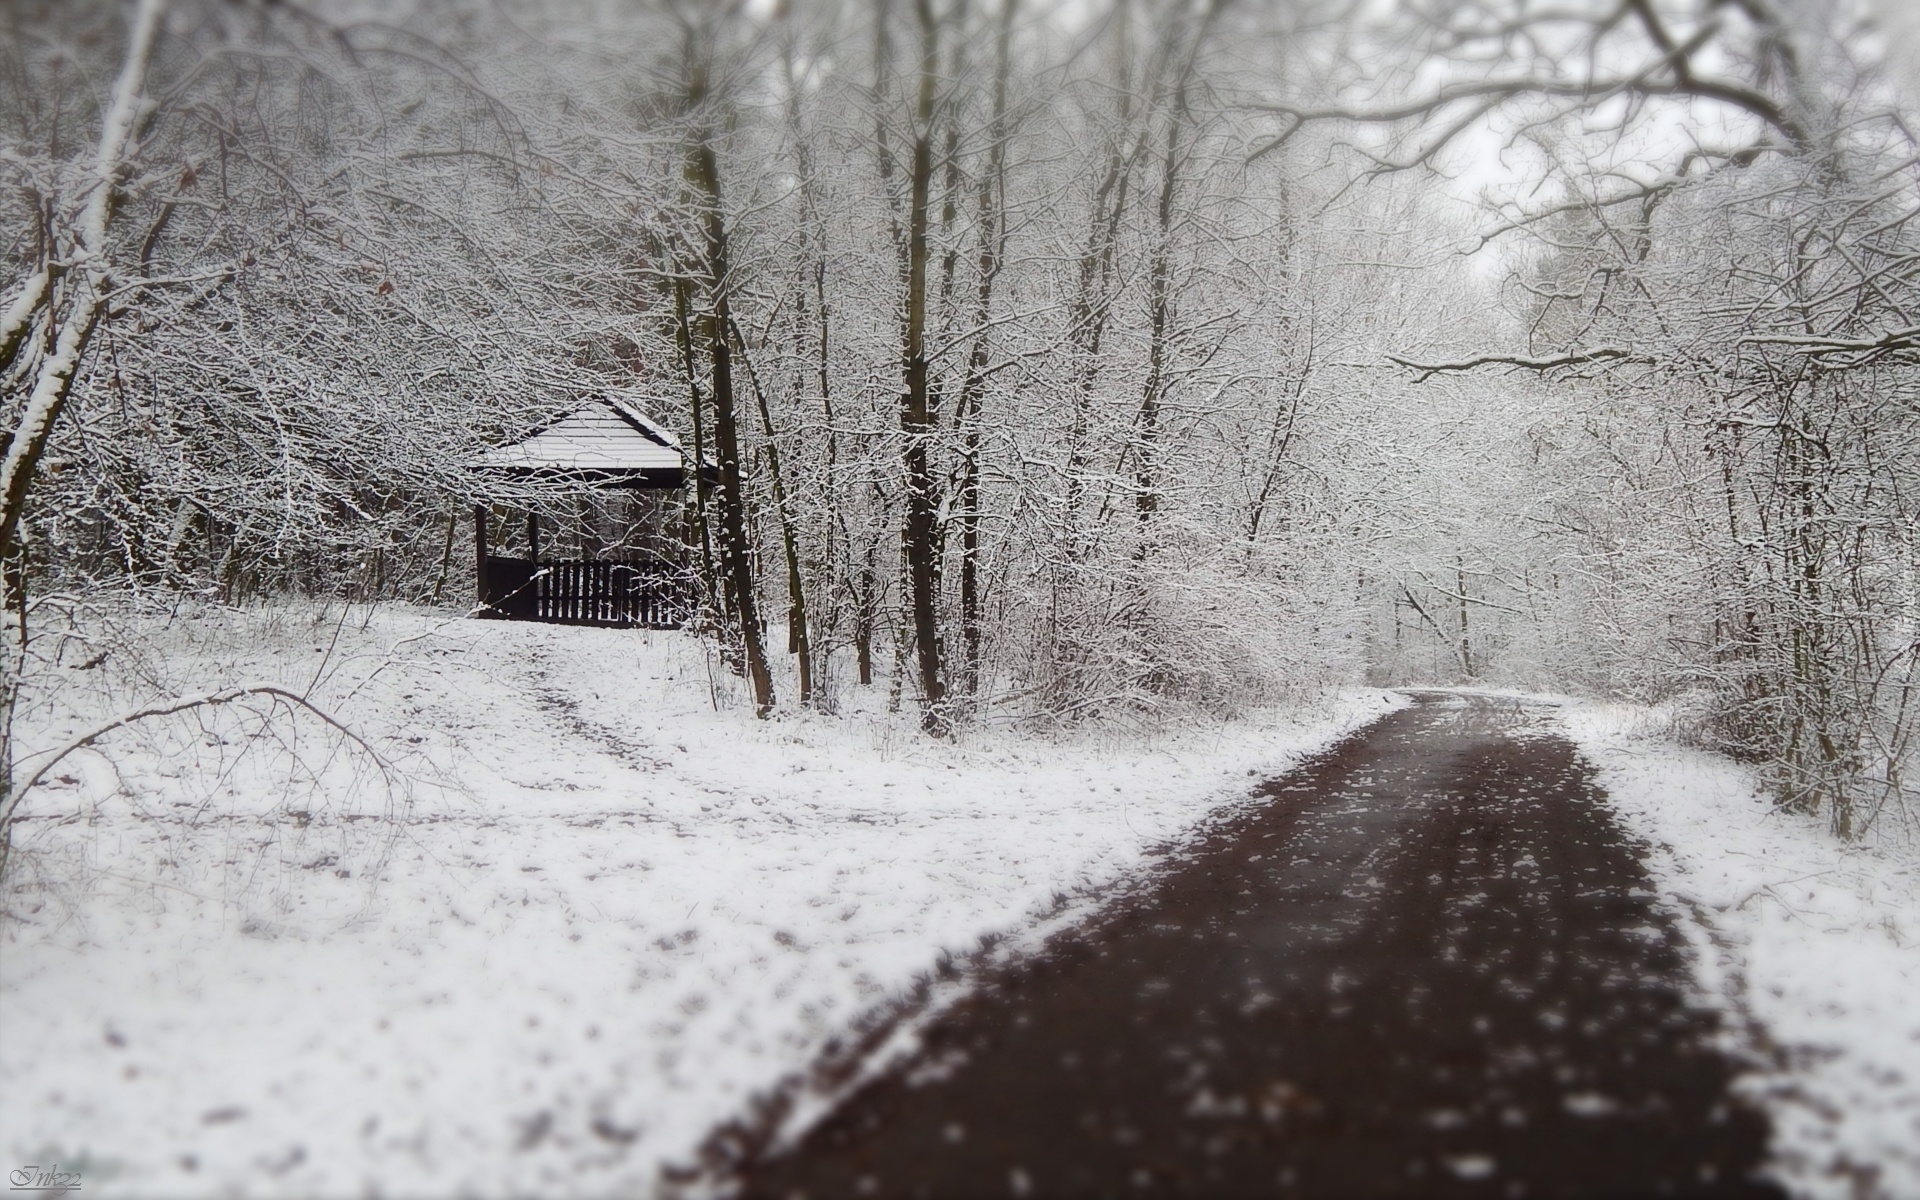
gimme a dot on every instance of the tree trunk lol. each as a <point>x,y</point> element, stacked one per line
<point>1146,433</point>
<point>992,201</point>
<point>799,642</point>
<point>72,310</point>
<point>704,168</point>
<point>702,487</point>
<point>917,415</point>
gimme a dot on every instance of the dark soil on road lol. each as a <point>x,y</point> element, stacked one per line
<point>1427,963</point>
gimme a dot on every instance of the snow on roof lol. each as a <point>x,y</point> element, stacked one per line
<point>603,437</point>
<point>647,425</point>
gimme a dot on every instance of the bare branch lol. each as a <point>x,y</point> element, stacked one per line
<point>185,704</point>
<point>1890,342</point>
<point>1520,362</point>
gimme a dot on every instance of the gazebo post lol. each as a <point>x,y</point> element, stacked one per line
<point>480,555</point>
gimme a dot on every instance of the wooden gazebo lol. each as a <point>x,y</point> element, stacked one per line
<point>604,445</point>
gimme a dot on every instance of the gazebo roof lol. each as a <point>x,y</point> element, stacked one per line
<point>606,443</point>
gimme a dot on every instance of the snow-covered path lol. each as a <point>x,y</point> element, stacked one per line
<point>1430,964</point>
<point>610,915</point>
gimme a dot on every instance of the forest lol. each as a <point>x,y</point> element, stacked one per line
<point>1058,362</point>
<point>1071,367</point>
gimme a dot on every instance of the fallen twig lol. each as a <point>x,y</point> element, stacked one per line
<point>169,708</point>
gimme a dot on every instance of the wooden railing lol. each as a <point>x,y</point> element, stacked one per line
<point>653,593</point>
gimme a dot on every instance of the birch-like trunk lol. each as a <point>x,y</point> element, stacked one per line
<point>65,314</point>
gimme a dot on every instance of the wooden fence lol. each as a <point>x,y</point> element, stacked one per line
<point>652,593</point>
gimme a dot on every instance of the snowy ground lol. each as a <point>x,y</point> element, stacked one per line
<point>605,917</point>
<point>1814,947</point>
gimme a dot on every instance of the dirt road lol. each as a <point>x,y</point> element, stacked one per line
<point>1427,965</point>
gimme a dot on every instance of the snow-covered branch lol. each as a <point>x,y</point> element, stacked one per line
<point>1519,362</point>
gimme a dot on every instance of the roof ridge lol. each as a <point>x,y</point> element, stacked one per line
<point>641,422</point>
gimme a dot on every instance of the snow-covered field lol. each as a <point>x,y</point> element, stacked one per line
<point>1813,946</point>
<point>557,918</point>
<point>560,915</point>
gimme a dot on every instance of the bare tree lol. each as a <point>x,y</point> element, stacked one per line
<point>1763,278</point>
<point>715,270</point>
